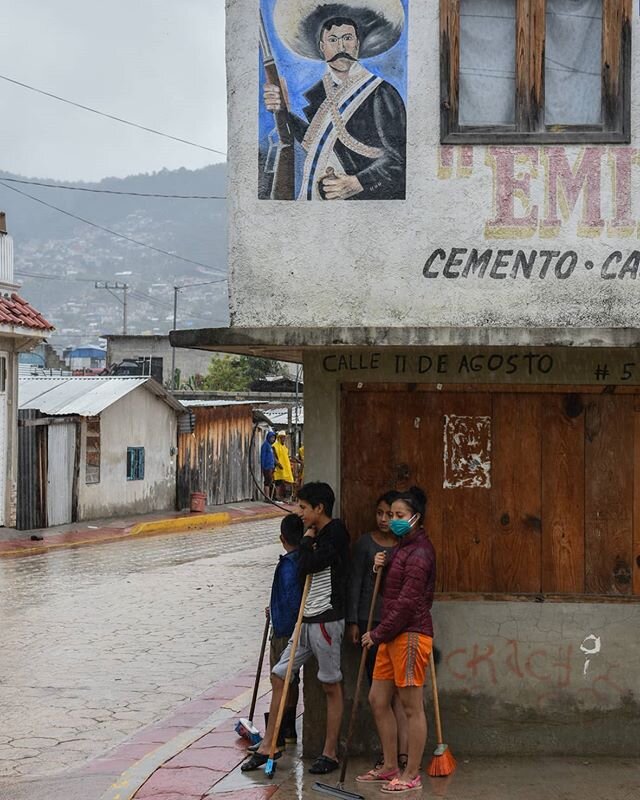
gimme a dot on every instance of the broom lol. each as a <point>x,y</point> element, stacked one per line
<point>245,727</point>
<point>339,790</point>
<point>443,763</point>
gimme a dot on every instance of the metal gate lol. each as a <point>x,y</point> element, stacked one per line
<point>60,473</point>
<point>32,471</point>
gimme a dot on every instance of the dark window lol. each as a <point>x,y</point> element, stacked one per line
<point>535,71</point>
<point>135,463</point>
<point>3,374</point>
<point>92,470</point>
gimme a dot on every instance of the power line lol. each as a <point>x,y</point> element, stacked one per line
<point>108,230</point>
<point>24,274</point>
<point>110,116</point>
<point>205,283</point>
<point>136,294</point>
<point>113,191</point>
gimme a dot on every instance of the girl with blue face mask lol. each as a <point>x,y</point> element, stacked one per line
<point>405,638</point>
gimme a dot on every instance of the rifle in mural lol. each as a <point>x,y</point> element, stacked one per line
<point>280,159</point>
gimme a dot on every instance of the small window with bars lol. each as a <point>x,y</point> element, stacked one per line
<point>92,470</point>
<point>135,463</point>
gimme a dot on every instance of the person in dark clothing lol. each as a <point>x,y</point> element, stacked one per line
<point>405,639</point>
<point>286,593</point>
<point>360,593</point>
<point>324,555</point>
<point>268,463</point>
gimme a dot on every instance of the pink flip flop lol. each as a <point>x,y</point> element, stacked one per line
<point>378,776</point>
<point>397,786</point>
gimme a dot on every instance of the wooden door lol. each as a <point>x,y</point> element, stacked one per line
<point>528,492</point>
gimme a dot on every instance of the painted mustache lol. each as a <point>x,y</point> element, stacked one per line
<point>341,55</point>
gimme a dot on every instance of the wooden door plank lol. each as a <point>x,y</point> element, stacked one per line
<point>563,494</point>
<point>367,423</point>
<point>609,437</point>
<point>635,566</point>
<point>417,461</point>
<point>464,561</point>
<point>516,556</point>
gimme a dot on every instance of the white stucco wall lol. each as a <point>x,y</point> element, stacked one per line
<point>327,263</point>
<point>140,419</point>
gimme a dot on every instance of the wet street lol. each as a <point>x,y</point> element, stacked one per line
<point>99,641</point>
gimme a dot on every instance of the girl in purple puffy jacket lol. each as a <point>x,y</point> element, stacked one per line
<point>405,638</point>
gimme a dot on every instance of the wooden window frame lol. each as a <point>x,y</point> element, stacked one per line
<point>530,39</point>
<point>93,446</point>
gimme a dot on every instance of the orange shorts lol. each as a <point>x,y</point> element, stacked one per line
<point>404,659</point>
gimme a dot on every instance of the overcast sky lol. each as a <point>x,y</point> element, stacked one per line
<point>159,63</point>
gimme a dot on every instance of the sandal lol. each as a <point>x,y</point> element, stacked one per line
<point>397,786</point>
<point>377,776</point>
<point>322,765</point>
<point>257,761</point>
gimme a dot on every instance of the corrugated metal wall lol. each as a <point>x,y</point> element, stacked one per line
<point>32,474</point>
<point>60,472</point>
<point>214,459</point>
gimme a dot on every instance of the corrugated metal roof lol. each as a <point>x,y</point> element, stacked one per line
<point>280,416</point>
<point>88,352</point>
<point>85,396</point>
<point>210,403</point>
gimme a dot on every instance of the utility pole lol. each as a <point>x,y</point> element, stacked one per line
<point>112,287</point>
<point>176,289</point>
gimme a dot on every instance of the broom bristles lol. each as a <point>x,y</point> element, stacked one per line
<point>443,763</point>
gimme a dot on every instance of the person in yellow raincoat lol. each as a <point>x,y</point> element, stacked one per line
<point>283,474</point>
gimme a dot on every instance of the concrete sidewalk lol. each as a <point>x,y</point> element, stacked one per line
<point>195,754</point>
<point>14,543</point>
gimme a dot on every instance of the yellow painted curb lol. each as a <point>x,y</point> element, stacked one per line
<point>160,526</point>
<point>175,524</point>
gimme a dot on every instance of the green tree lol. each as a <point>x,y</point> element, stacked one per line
<point>237,373</point>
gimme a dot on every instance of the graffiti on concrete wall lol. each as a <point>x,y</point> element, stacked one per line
<point>548,670</point>
<point>332,121</point>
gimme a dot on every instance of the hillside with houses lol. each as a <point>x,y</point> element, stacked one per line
<point>58,257</point>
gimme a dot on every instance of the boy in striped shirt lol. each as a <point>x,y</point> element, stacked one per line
<point>323,554</point>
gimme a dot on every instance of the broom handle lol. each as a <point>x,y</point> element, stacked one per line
<point>436,704</point>
<point>292,655</point>
<point>259,670</point>
<point>356,695</point>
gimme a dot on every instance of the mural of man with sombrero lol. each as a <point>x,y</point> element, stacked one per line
<point>353,124</point>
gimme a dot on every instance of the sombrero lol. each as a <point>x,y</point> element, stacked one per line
<point>298,24</point>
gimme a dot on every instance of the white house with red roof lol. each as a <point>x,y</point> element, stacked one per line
<point>21,328</point>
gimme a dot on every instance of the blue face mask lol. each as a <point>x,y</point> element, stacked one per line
<point>401,527</point>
